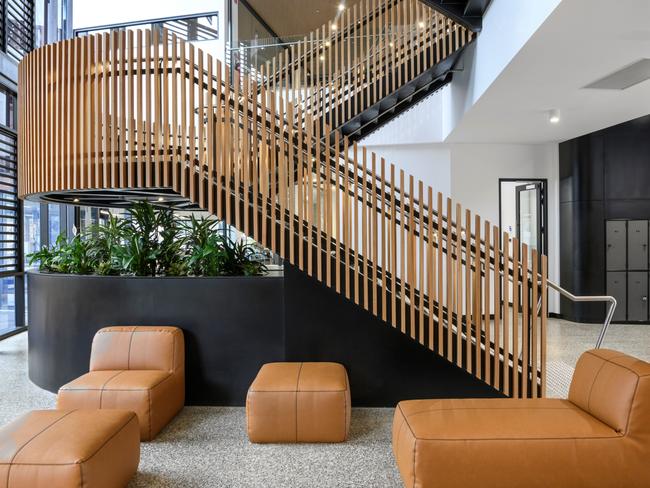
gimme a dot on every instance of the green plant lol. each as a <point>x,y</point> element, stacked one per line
<point>71,256</point>
<point>239,259</point>
<point>153,242</point>
<point>106,245</point>
<point>204,247</point>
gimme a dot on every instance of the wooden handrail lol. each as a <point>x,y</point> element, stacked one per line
<point>141,111</point>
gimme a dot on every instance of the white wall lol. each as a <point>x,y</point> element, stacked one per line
<point>475,173</point>
<point>427,162</point>
<point>507,26</point>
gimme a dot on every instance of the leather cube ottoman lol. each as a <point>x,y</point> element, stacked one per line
<point>299,402</point>
<point>68,448</point>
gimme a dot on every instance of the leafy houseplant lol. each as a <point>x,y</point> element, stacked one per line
<point>153,242</point>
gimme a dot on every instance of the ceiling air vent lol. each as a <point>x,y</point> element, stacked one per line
<point>624,78</point>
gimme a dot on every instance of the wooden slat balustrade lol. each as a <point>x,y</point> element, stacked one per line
<point>149,112</point>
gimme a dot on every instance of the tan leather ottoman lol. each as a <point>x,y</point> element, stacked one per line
<point>73,448</point>
<point>299,402</point>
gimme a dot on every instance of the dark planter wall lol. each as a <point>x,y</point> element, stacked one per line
<point>603,175</point>
<point>232,326</point>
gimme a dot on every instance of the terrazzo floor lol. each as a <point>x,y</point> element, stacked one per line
<point>207,446</point>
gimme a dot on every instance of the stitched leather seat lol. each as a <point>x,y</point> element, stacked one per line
<point>63,449</point>
<point>299,402</point>
<point>133,368</point>
<point>599,437</point>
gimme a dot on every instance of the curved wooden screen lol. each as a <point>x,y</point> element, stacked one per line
<point>112,116</point>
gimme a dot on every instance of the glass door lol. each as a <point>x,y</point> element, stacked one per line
<point>530,225</point>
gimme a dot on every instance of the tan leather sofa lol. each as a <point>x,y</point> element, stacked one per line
<point>599,437</point>
<point>299,402</point>
<point>63,449</point>
<point>141,369</point>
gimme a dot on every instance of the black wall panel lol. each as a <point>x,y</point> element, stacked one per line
<point>603,175</point>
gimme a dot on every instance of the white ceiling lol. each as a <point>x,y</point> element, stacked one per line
<point>579,43</point>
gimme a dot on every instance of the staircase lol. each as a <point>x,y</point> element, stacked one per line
<point>370,64</point>
<point>129,115</point>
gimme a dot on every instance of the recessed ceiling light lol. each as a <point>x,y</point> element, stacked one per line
<point>333,26</point>
<point>76,200</point>
<point>421,24</point>
<point>341,7</point>
<point>161,199</point>
<point>554,116</point>
<point>322,58</point>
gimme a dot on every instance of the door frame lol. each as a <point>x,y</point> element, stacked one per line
<point>544,182</point>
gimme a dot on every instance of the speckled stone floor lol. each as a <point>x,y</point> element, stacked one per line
<point>207,446</point>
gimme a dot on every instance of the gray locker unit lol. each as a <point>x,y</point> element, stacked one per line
<point>637,296</point>
<point>616,245</point>
<point>637,244</point>
<point>616,287</point>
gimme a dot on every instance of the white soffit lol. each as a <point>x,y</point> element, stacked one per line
<point>580,42</point>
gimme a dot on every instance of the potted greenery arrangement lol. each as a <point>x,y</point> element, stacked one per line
<point>153,242</point>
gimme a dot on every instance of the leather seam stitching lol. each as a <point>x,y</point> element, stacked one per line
<point>296,392</point>
<point>103,388</point>
<point>128,357</point>
<point>526,439</point>
<point>109,439</point>
<point>591,388</point>
<point>629,413</point>
<point>30,440</point>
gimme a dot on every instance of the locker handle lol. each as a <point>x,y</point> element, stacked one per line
<point>644,299</point>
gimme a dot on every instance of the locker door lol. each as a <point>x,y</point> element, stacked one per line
<point>637,244</point>
<point>616,287</point>
<point>616,252</point>
<point>637,296</point>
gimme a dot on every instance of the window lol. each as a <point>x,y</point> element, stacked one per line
<point>18,27</point>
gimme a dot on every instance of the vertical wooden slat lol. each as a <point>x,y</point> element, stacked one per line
<point>487,305</point>
<point>449,270</point>
<point>516,291</point>
<point>525,323</point>
<point>382,279</point>
<point>543,324</point>
<point>357,275</point>
<point>440,295</point>
<point>374,259</point>
<point>411,256</point>
<point>403,252</point>
<point>122,127</point>
<point>533,325</point>
<point>319,200</point>
<point>421,259</point>
<point>364,231</point>
<point>130,61</point>
<point>431,267</point>
<point>469,311</point>
<point>345,241</point>
<point>458,303</point>
<point>496,367</point>
<point>211,137</point>
<point>245,152</point>
<point>506,314</point>
<point>337,211</point>
<point>478,310</point>
<point>393,244</point>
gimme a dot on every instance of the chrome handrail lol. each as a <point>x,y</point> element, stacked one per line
<point>590,298</point>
